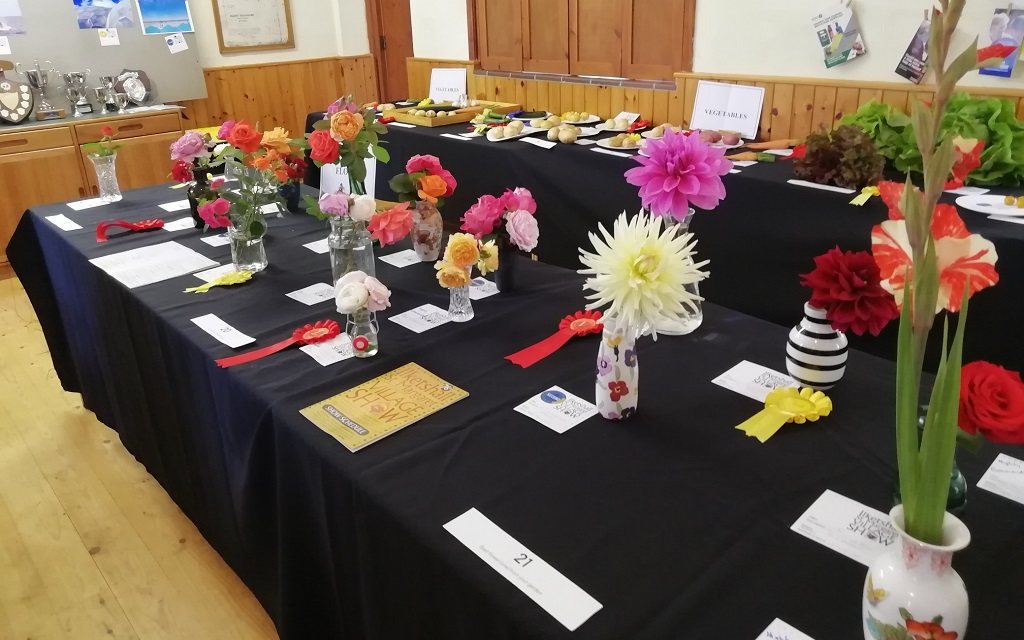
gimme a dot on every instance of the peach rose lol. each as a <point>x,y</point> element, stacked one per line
<point>450,276</point>
<point>462,251</point>
<point>277,139</point>
<point>346,126</point>
<point>430,188</point>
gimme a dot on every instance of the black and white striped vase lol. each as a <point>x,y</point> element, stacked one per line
<point>816,353</point>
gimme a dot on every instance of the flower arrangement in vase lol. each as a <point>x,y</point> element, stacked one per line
<point>426,184</point>
<point>348,136</point>
<point>360,296</point>
<point>639,273</point>
<point>455,271</point>
<point>103,155</point>
<point>193,156</point>
<point>510,220</point>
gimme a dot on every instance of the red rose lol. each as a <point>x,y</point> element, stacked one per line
<point>847,285</point>
<point>322,147</point>
<point>181,171</point>
<point>992,402</point>
<point>245,137</point>
<point>107,131</point>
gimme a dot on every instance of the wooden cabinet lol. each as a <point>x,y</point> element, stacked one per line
<point>653,46</point>
<point>546,36</point>
<point>500,34</point>
<point>595,37</point>
<point>141,162</point>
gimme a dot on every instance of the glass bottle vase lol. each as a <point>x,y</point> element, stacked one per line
<point>695,316</point>
<point>106,176</point>
<point>247,250</point>
<point>199,193</point>
<point>427,229</point>
<point>618,372</point>
<point>351,248</point>
<point>460,307</point>
<point>362,331</point>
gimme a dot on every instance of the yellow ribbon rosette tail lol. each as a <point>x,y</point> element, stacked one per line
<point>226,280</point>
<point>787,405</point>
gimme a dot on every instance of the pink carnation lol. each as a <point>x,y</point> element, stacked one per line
<point>341,104</point>
<point>519,199</point>
<point>226,129</point>
<point>188,147</point>
<point>215,214</point>
<point>522,229</point>
<point>428,164</point>
<point>681,171</point>
<point>483,216</point>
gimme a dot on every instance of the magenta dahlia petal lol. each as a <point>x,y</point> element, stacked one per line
<point>679,171</point>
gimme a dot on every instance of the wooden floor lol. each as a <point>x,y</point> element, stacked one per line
<point>90,545</point>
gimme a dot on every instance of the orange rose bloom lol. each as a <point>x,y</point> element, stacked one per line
<point>430,188</point>
<point>281,175</point>
<point>462,251</point>
<point>450,276</point>
<point>277,139</point>
<point>346,126</point>
<point>245,137</point>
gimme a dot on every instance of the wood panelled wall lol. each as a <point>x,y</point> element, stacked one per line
<point>793,107</point>
<point>281,94</point>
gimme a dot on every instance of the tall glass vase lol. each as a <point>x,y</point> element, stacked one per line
<point>247,250</point>
<point>508,257</point>
<point>695,317</point>
<point>199,193</point>
<point>427,229</point>
<point>362,331</point>
<point>351,248</point>
<point>618,371</point>
<point>460,307</point>
<point>106,176</point>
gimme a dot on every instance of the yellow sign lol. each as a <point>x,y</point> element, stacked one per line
<point>376,409</point>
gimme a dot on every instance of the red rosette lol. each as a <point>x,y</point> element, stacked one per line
<point>582,323</point>
<point>578,324</point>
<point>141,225</point>
<point>319,331</point>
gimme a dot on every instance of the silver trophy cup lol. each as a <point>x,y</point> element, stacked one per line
<point>78,91</point>
<point>39,79</point>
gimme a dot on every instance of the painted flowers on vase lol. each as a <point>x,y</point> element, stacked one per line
<point>427,184</point>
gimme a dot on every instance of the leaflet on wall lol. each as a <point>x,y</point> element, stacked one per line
<point>838,34</point>
<point>104,14</point>
<point>11,20</point>
<point>1007,27</point>
<point>914,64</point>
<point>161,17</point>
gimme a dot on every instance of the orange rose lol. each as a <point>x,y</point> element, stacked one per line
<point>450,276</point>
<point>260,163</point>
<point>277,140</point>
<point>246,137</point>
<point>346,126</point>
<point>281,175</point>
<point>430,188</point>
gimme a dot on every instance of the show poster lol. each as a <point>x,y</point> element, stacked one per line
<point>914,64</point>
<point>1007,27</point>
<point>838,33</point>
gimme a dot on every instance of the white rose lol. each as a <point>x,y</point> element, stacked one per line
<point>352,297</point>
<point>363,208</point>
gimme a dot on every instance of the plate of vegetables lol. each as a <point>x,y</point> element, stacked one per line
<point>511,131</point>
<point>526,116</point>
<point>579,117</point>
<point>622,142</point>
<point>993,205</point>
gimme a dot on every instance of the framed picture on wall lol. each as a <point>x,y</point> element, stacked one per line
<point>253,25</point>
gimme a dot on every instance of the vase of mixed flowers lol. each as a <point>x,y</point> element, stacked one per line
<point>290,191</point>
<point>193,157</point>
<point>359,296</point>
<point>638,273</point>
<point>510,221</point>
<point>679,172</point>
<point>103,155</point>
<point>455,271</point>
<point>347,136</point>
<point>426,184</point>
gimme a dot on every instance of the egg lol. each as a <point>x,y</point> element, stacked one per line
<point>567,135</point>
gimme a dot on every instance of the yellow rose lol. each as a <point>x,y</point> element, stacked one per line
<point>488,258</point>
<point>450,276</point>
<point>345,126</point>
<point>277,139</point>
<point>463,250</point>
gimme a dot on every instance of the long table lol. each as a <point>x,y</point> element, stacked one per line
<point>675,521</point>
<point>760,239</point>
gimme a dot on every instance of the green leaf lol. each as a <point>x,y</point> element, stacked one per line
<point>905,614</point>
<point>907,389</point>
<point>381,154</point>
<point>401,184</point>
<point>257,228</point>
<point>321,125</point>
<point>966,61</point>
<point>923,121</point>
<point>357,171</point>
<point>940,166</point>
<point>231,197</point>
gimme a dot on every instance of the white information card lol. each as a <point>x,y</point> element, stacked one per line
<point>753,380</point>
<point>779,630</point>
<point>446,85</point>
<point>727,107</point>
<point>542,583</point>
<point>313,294</point>
<point>1005,478</point>
<point>557,409</point>
<point>222,331</point>
<point>156,263</point>
<point>844,525</point>
<point>422,318</point>
<point>334,178</point>
<point>402,258</point>
<point>64,223</point>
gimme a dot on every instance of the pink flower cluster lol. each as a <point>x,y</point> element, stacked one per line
<point>342,104</point>
<point>515,209</point>
<point>188,147</point>
<point>225,129</point>
<point>431,165</point>
<point>215,213</point>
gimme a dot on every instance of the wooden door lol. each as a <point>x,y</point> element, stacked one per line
<point>33,178</point>
<point>141,162</point>
<point>390,31</point>
<point>499,33</point>
<point>595,37</point>
<point>656,38</point>
<point>546,36</point>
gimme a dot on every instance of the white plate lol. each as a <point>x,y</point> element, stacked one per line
<point>527,131</point>
<point>602,127</point>
<point>528,119</point>
<point>604,144</point>
<point>586,132</point>
<point>992,205</point>
<point>591,120</point>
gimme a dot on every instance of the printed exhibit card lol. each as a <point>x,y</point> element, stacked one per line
<point>376,409</point>
<point>1005,478</point>
<point>780,630</point>
<point>847,526</point>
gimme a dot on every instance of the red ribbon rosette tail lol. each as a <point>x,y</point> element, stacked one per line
<point>320,331</point>
<point>578,324</point>
<point>141,225</point>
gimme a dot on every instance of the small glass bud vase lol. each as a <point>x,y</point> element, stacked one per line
<point>106,176</point>
<point>694,317</point>
<point>427,229</point>
<point>351,248</point>
<point>460,308</point>
<point>362,331</point>
<point>247,250</point>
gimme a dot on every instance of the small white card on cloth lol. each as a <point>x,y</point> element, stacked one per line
<point>313,294</point>
<point>1005,478</point>
<point>968,191</point>
<point>320,246</point>
<point>217,241</point>
<point>627,115</point>
<point>82,205</point>
<point>542,583</point>
<point>785,153</point>
<point>454,137</point>
<point>823,187</point>
<point>586,141</point>
<point>744,163</point>
<point>271,209</point>
<point>847,526</point>
<point>753,380</point>
<point>543,144</point>
<point>180,225</point>
<point>402,258</point>
<point>212,274</point>
<point>63,222</point>
<point>779,630</point>
<point>331,351</point>
<point>404,125</point>
<point>171,207</point>
<point>422,318</point>
<point>481,288</point>
<point>222,331</point>
<point>557,409</point>
<point>735,171</point>
<point>609,152</point>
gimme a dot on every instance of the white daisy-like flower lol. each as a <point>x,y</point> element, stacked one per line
<point>639,272</point>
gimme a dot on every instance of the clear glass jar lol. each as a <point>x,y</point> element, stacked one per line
<point>695,317</point>
<point>106,176</point>
<point>362,330</point>
<point>247,250</point>
<point>460,308</point>
<point>351,248</point>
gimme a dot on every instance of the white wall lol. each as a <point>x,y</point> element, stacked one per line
<point>440,29</point>
<point>323,28</point>
<point>775,38</point>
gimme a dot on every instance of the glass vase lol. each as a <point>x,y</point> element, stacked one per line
<point>427,229</point>
<point>460,308</point>
<point>289,192</point>
<point>199,193</point>
<point>508,257</point>
<point>351,248</point>
<point>695,316</point>
<point>247,250</point>
<point>618,371</point>
<point>362,331</point>
<point>956,499</point>
<point>106,176</point>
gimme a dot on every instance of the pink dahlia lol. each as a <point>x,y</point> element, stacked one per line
<point>483,216</point>
<point>681,171</point>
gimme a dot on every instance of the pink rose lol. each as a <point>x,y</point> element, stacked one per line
<point>341,104</point>
<point>215,214</point>
<point>483,216</point>
<point>188,147</point>
<point>449,180</point>
<point>217,183</point>
<point>335,204</point>
<point>388,227</point>
<point>380,296</point>
<point>522,229</point>
<point>519,199</point>
<point>225,129</point>
<point>429,164</point>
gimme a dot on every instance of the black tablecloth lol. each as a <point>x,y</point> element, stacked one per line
<point>762,236</point>
<point>675,521</point>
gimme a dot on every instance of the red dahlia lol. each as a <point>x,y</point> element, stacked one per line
<point>847,285</point>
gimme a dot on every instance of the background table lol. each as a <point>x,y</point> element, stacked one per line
<point>675,521</point>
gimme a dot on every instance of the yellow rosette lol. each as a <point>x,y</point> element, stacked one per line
<point>787,405</point>
<point>226,280</point>
<point>865,194</point>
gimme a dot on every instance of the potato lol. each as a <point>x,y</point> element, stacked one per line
<point>658,131</point>
<point>705,136</point>
<point>553,134</point>
<point>615,142</point>
<point>622,123</point>
<point>431,114</point>
<point>495,133</point>
<point>584,116</point>
<point>537,123</point>
<point>555,120</point>
<point>730,139</point>
<point>609,123</point>
<point>716,137</point>
<point>387,106</point>
<point>567,135</point>
<point>629,143</point>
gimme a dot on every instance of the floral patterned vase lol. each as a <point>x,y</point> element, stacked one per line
<point>618,372</point>
<point>911,591</point>
<point>427,229</point>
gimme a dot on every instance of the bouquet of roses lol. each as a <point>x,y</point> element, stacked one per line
<point>193,153</point>
<point>386,227</point>
<point>463,253</point>
<point>509,218</point>
<point>424,180</point>
<point>348,136</point>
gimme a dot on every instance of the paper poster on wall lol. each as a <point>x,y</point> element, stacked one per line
<point>727,107</point>
<point>446,85</point>
<point>5,46</point>
<point>1007,27</point>
<point>104,14</point>
<point>914,63</point>
<point>161,17</point>
<point>108,37</point>
<point>176,43</point>
<point>838,33</point>
<point>12,23</point>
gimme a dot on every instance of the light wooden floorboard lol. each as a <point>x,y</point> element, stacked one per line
<point>90,544</point>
